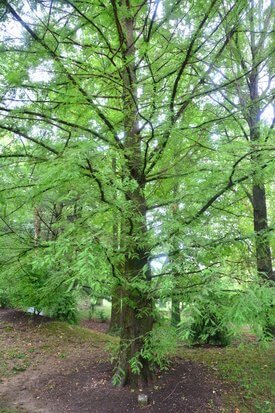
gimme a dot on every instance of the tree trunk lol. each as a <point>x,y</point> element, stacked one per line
<point>118,245</point>
<point>175,312</point>
<point>262,245</point>
<point>37,226</point>
<point>116,311</point>
<point>263,252</point>
<point>137,321</point>
<point>137,305</point>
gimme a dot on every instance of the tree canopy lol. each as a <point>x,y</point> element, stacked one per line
<point>137,162</point>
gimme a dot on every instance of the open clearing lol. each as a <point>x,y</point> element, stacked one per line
<point>53,367</point>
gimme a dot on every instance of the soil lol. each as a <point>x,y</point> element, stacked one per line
<point>95,325</point>
<point>69,374</point>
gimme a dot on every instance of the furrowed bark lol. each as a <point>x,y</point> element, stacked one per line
<point>175,312</point>
<point>137,306</point>
<point>263,252</point>
<point>116,311</point>
<point>262,244</point>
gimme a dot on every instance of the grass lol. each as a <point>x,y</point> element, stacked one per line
<point>247,372</point>
<point>61,330</point>
<point>13,361</point>
<point>4,409</point>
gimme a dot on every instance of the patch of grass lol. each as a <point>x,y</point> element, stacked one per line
<point>8,327</point>
<point>63,355</point>
<point>18,368</point>
<point>12,362</point>
<point>64,331</point>
<point>5,409</point>
<point>3,365</point>
<point>15,354</point>
<point>247,370</point>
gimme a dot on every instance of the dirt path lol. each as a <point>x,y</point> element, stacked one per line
<point>48,367</point>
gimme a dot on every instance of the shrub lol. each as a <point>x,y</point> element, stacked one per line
<point>209,329</point>
<point>205,321</point>
<point>64,309</point>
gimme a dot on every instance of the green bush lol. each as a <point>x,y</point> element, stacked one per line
<point>101,315</point>
<point>205,321</point>
<point>209,329</point>
<point>64,309</point>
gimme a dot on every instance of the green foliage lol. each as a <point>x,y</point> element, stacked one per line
<point>101,315</point>
<point>135,363</point>
<point>206,321</point>
<point>160,344</point>
<point>4,299</point>
<point>43,290</point>
<point>118,377</point>
<point>114,153</point>
<point>254,306</point>
<point>208,329</point>
<point>63,308</point>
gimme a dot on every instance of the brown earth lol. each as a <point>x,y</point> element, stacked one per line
<point>95,325</point>
<point>48,367</point>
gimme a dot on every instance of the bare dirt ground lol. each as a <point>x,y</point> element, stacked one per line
<point>51,367</point>
<point>95,325</point>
